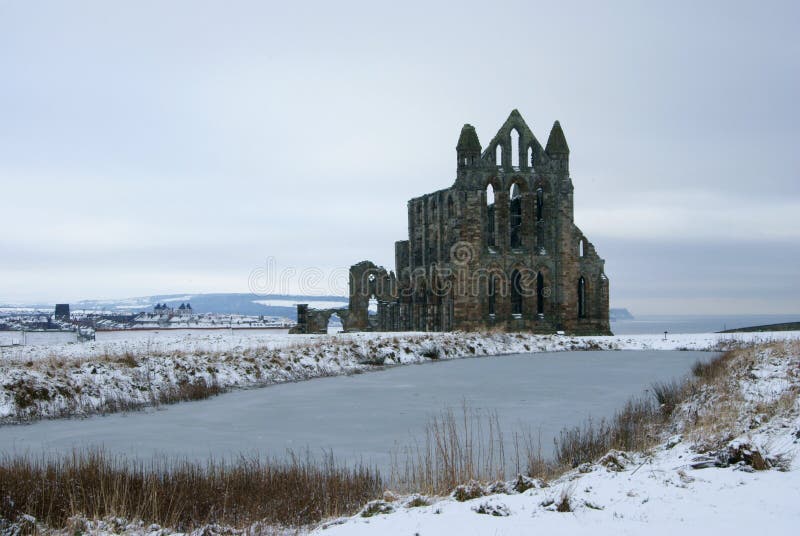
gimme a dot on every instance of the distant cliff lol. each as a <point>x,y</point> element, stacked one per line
<point>619,314</point>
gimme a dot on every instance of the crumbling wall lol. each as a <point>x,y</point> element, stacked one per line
<point>316,320</point>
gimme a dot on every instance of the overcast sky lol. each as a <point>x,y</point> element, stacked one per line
<point>167,147</point>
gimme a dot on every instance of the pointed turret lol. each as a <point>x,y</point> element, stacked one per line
<point>557,142</point>
<point>468,140</point>
<point>468,148</point>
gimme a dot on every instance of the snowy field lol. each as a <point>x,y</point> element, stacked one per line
<point>101,376</point>
<point>37,338</point>
<point>184,334</point>
<point>199,342</point>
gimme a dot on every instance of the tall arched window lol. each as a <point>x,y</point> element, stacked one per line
<point>491,294</point>
<point>530,157</point>
<point>539,294</point>
<point>433,247</point>
<point>515,216</point>
<point>514,148</point>
<point>490,213</point>
<point>516,293</point>
<point>581,251</point>
<point>581,298</point>
<point>498,155</point>
<point>539,204</point>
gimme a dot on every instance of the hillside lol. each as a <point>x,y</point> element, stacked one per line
<point>281,305</point>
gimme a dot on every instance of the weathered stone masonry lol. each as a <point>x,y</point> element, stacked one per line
<point>499,249</point>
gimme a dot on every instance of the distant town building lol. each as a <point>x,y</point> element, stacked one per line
<point>62,312</point>
<point>162,308</point>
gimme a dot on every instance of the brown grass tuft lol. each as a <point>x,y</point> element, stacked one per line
<point>564,503</point>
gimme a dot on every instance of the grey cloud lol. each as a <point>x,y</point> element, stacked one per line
<point>209,136</point>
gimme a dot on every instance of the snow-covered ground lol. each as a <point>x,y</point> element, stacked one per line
<point>69,379</point>
<point>726,463</point>
<point>700,480</point>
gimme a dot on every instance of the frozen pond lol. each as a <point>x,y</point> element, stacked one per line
<point>363,417</point>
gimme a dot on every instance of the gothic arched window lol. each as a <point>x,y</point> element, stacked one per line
<point>539,204</point>
<point>539,294</point>
<point>515,216</point>
<point>581,298</point>
<point>516,293</point>
<point>490,216</point>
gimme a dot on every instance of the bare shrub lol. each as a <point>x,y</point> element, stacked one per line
<point>376,507</point>
<point>496,510</point>
<point>668,395</point>
<point>417,501</point>
<point>188,391</point>
<point>469,491</point>
<point>431,350</point>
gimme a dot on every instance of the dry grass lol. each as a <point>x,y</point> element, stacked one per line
<point>183,495</point>
<point>709,430</point>
<point>464,453</point>
<point>530,459</point>
<point>710,371</point>
<point>456,448</point>
<point>635,427</point>
<point>781,405</point>
<point>723,412</point>
<point>715,417</point>
<point>188,391</point>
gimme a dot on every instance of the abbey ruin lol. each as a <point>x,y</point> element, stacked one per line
<point>497,249</point>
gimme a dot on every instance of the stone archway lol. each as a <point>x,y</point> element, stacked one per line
<point>369,282</point>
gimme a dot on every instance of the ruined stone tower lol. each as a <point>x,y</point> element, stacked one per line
<point>497,249</point>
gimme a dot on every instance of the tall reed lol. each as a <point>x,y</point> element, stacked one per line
<point>455,448</point>
<point>182,495</point>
